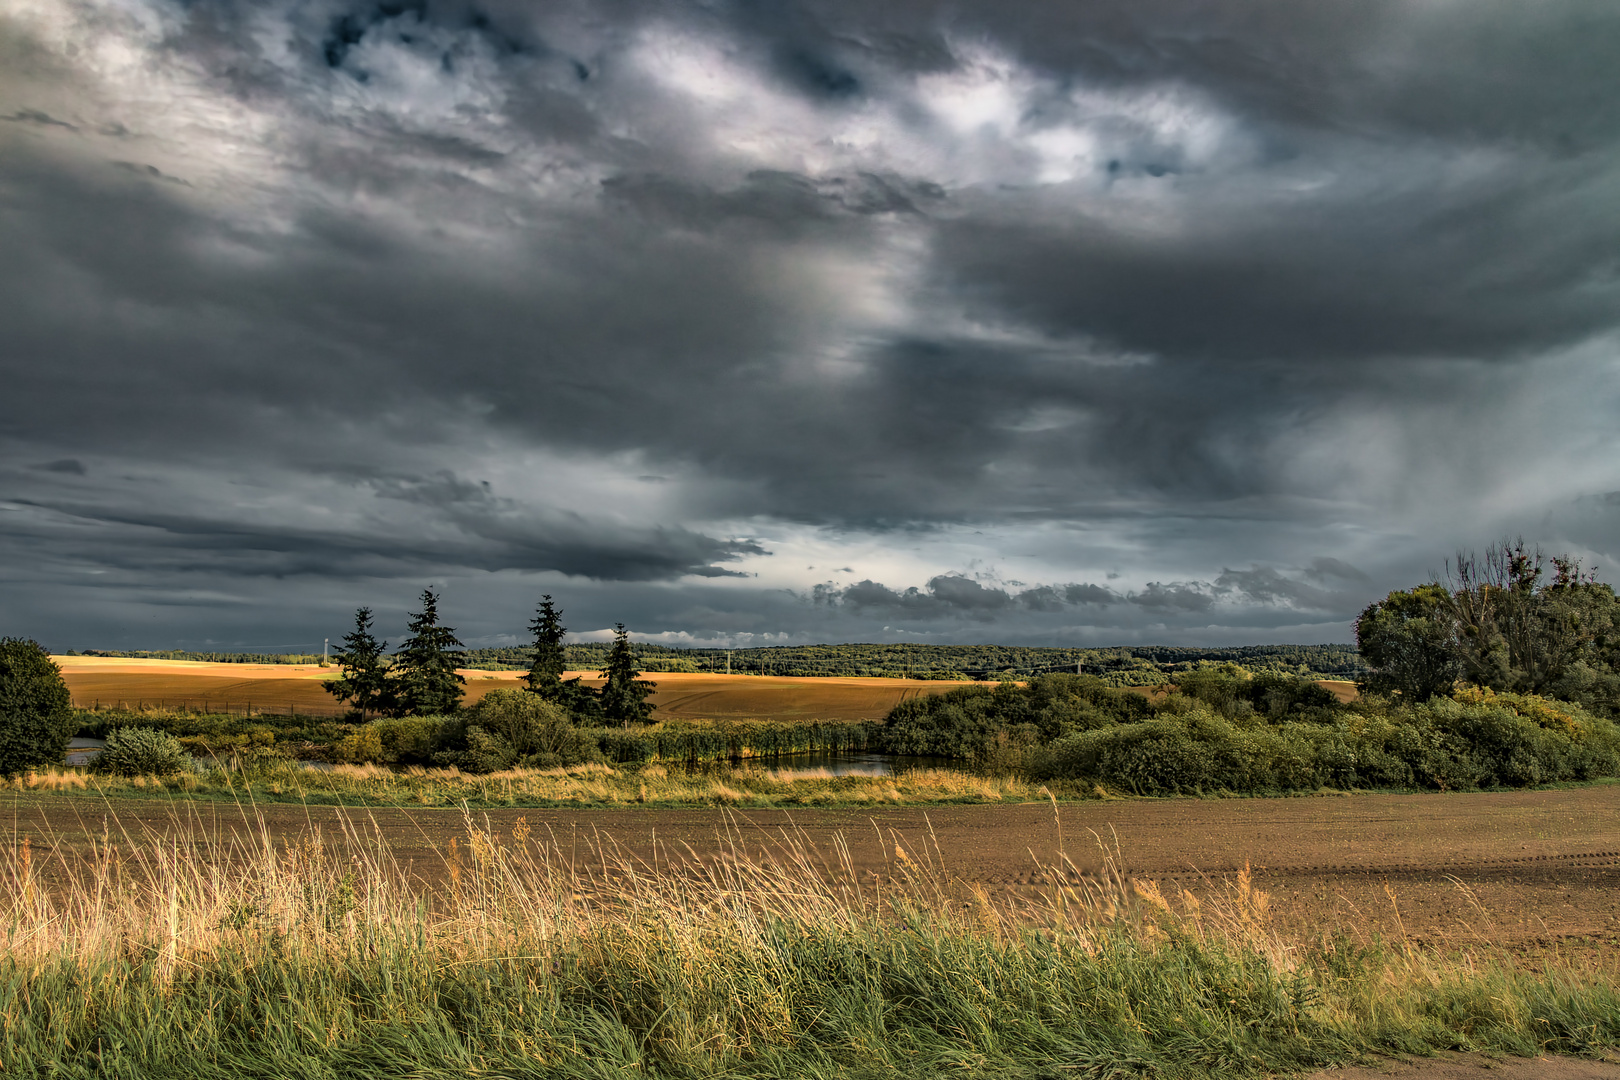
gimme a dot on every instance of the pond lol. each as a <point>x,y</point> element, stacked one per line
<point>83,751</point>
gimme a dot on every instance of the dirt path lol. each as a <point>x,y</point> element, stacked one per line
<point>1524,868</point>
<point>1470,1066</point>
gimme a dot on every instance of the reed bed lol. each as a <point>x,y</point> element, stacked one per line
<point>182,953</point>
<point>573,786</point>
<point>735,740</point>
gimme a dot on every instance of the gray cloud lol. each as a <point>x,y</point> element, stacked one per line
<point>623,299</point>
<point>34,116</point>
<point>71,466</point>
<point>945,595</point>
<point>1090,594</point>
<point>1174,597</point>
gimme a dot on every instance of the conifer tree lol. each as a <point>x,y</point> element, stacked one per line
<point>624,697</point>
<point>545,673</point>
<point>364,682</point>
<point>424,674</point>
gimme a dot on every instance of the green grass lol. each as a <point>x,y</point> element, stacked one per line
<point>181,955</point>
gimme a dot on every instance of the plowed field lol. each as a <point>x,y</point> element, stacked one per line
<point>1528,869</point>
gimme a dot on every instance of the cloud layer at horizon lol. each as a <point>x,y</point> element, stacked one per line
<point>744,323</point>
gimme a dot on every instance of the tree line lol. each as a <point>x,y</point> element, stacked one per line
<point>1510,620</point>
<point>421,679</point>
<point>1138,665</point>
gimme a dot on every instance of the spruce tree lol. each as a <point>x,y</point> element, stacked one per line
<point>545,673</point>
<point>424,674</point>
<point>364,682</point>
<point>624,697</point>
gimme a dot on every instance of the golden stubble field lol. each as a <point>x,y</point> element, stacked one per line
<point>112,682</point>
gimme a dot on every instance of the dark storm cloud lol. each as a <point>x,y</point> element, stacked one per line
<point>1174,597</point>
<point>1089,594</point>
<point>639,293</point>
<point>945,595</point>
<point>465,529</point>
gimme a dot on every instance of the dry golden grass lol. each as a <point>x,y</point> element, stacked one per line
<point>576,785</point>
<point>166,950</point>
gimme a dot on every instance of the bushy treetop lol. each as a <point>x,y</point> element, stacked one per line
<point>36,710</point>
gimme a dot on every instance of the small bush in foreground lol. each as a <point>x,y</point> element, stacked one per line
<point>36,711</point>
<point>141,752</point>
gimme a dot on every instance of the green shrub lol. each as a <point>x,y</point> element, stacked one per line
<point>401,740</point>
<point>514,727</point>
<point>976,723</point>
<point>36,711</point>
<point>1441,745</point>
<point>141,752</point>
<point>213,732</point>
<point>360,746</point>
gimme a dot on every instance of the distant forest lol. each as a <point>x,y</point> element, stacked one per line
<point>1137,665</point>
<point>206,657</point>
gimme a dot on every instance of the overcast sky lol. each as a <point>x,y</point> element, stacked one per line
<point>1049,323</point>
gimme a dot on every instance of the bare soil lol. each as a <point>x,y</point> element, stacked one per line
<point>1478,1067</point>
<point>1531,870</point>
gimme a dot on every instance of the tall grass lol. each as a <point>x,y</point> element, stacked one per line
<point>721,740</point>
<point>276,780</point>
<point>189,954</point>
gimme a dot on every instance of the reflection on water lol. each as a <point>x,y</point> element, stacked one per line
<point>796,766</point>
<point>83,751</point>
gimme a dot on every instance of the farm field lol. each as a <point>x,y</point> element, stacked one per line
<point>1526,869</point>
<point>283,687</point>
<point>680,695</point>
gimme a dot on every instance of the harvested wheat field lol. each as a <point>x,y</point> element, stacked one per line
<point>279,688</point>
<point>300,687</point>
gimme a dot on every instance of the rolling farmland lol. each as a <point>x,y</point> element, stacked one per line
<point>278,688</point>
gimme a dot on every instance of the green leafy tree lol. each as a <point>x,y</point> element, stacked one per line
<point>36,711</point>
<point>364,682</point>
<point>624,696</point>
<point>424,676</point>
<point>545,673</point>
<point>1516,633</point>
<point>1409,640</point>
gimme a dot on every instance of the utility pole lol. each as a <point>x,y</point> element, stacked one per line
<point>326,644</point>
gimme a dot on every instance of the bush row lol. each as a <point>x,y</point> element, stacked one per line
<point>1223,731</point>
<point>681,741</point>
